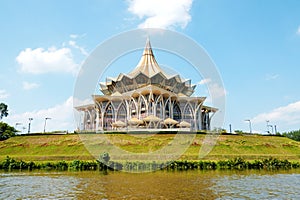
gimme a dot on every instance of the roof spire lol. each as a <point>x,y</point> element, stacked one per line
<point>147,64</point>
<point>148,48</point>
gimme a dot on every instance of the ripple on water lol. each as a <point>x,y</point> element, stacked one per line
<point>37,186</point>
<point>158,185</point>
<point>255,186</point>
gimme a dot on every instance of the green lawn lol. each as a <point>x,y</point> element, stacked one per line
<point>71,147</point>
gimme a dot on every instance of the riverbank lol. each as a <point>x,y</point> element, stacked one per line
<point>69,147</point>
<point>233,164</point>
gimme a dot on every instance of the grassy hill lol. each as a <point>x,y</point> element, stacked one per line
<point>71,147</point>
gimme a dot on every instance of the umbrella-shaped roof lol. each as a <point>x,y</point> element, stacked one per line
<point>119,124</point>
<point>184,124</point>
<point>151,118</point>
<point>170,121</point>
<point>135,121</point>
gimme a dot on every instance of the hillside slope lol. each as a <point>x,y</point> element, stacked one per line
<point>71,147</point>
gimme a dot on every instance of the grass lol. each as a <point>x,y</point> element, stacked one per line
<point>69,147</point>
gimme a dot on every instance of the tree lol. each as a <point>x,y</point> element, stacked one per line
<point>6,131</point>
<point>3,110</point>
<point>294,135</point>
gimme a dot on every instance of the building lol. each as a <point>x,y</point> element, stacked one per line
<point>146,98</point>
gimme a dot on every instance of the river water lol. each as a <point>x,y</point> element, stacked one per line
<point>155,185</point>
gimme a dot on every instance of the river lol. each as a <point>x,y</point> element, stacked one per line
<point>155,185</point>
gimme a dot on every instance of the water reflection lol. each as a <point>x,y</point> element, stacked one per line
<point>258,186</point>
<point>36,185</point>
<point>156,185</point>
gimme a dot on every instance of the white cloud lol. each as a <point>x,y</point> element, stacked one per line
<point>285,117</point>
<point>3,94</point>
<point>40,61</point>
<point>271,76</point>
<point>298,30</point>
<point>77,36</point>
<point>73,44</point>
<point>161,13</point>
<point>30,86</point>
<point>74,36</point>
<point>216,91</point>
<point>204,81</point>
<point>61,118</point>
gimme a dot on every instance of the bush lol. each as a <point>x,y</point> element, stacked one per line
<point>294,135</point>
<point>6,131</point>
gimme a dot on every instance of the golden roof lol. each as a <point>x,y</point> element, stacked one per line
<point>147,72</point>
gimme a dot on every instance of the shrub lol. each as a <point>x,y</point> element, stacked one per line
<point>294,135</point>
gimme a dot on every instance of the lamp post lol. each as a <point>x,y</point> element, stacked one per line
<point>45,123</point>
<point>268,126</point>
<point>250,126</point>
<point>272,129</point>
<point>30,119</point>
<point>17,124</point>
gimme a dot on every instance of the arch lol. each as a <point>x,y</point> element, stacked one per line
<point>167,110</point>
<point>109,115</point>
<point>176,112</point>
<point>122,112</point>
<point>188,114</point>
<point>143,106</point>
<point>159,105</point>
<point>132,105</point>
<point>205,119</point>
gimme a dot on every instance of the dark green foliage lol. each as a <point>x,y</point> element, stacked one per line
<point>83,165</point>
<point>3,110</point>
<point>78,165</point>
<point>6,131</point>
<point>239,132</point>
<point>294,135</point>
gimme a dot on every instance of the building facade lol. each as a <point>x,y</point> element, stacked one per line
<point>146,98</point>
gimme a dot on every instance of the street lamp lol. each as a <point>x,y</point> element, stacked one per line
<point>17,124</point>
<point>272,129</point>
<point>268,126</point>
<point>45,123</point>
<point>30,119</point>
<point>250,127</point>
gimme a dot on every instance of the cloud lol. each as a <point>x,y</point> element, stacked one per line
<point>74,36</point>
<point>161,13</point>
<point>77,36</point>
<point>286,117</point>
<point>61,118</point>
<point>271,77</point>
<point>73,44</point>
<point>204,81</point>
<point>30,86</point>
<point>216,91</point>
<point>41,61</point>
<point>298,30</point>
<point>3,94</point>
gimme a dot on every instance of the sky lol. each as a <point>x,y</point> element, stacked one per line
<point>254,44</point>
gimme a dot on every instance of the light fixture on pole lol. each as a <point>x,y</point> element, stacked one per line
<point>268,126</point>
<point>272,129</point>
<point>30,119</point>
<point>45,123</point>
<point>250,126</point>
<point>17,124</point>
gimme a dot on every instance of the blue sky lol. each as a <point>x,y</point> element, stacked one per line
<point>255,45</point>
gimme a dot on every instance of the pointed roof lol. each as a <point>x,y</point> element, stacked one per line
<point>147,64</point>
<point>147,72</point>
